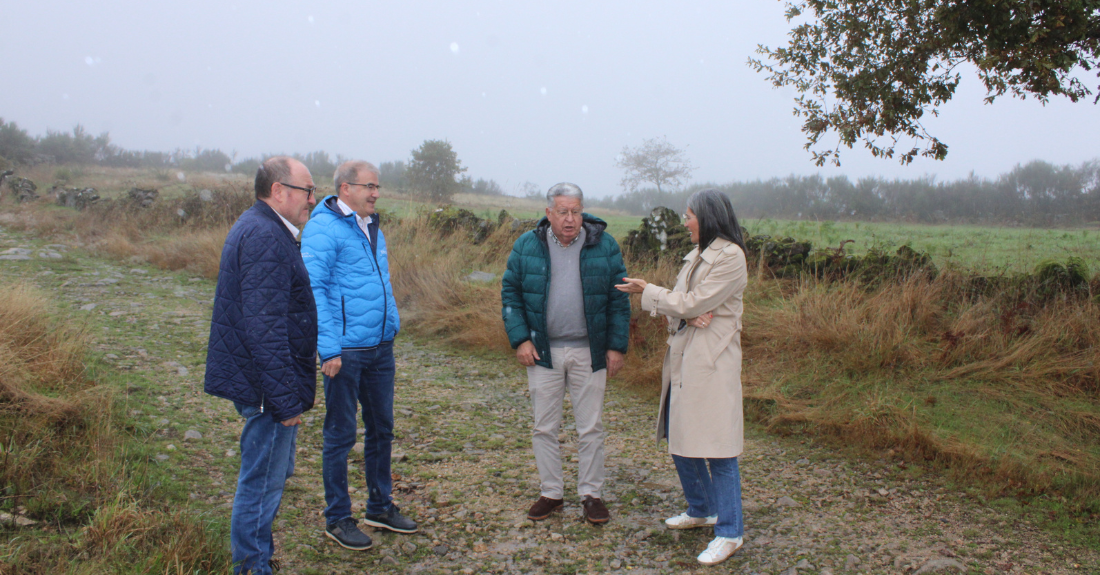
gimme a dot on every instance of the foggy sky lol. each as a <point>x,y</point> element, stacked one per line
<point>524,92</point>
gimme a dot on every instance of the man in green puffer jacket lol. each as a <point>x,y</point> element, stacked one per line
<point>570,327</point>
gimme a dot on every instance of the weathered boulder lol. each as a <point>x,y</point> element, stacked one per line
<point>660,235</point>
<point>451,219</point>
<point>4,175</point>
<point>77,198</point>
<point>516,225</point>
<point>143,197</point>
<point>23,189</point>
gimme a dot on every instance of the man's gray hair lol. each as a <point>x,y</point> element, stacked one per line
<point>564,189</point>
<point>349,171</point>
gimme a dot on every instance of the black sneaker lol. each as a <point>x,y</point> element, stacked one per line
<point>348,535</point>
<point>392,519</point>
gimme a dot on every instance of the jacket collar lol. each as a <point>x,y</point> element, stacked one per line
<point>330,204</point>
<point>268,212</point>
<point>711,253</point>
<point>593,228</point>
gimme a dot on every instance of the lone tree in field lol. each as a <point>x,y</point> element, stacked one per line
<point>655,162</point>
<point>870,70</point>
<point>433,171</point>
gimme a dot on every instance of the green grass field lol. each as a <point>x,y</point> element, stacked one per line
<point>986,249</point>
<point>983,248</point>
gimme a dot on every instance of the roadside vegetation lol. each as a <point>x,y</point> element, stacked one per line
<point>70,458</point>
<point>989,378</point>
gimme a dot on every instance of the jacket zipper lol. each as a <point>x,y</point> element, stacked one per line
<point>343,315</point>
<point>385,301</point>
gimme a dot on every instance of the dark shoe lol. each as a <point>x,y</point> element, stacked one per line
<point>347,534</point>
<point>392,519</point>
<point>595,511</point>
<point>274,564</point>
<point>543,508</point>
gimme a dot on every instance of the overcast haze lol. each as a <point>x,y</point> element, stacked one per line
<point>523,92</point>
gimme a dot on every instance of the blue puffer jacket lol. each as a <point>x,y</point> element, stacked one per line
<point>263,333</point>
<point>351,281</point>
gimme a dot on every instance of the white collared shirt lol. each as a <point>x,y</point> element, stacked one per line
<point>293,229</point>
<point>363,222</point>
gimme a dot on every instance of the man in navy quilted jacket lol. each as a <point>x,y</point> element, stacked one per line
<point>345,254</point>
<point>263,346</point>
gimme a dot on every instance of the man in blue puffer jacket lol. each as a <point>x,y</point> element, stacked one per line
<point>263,350</point>
<point>345,254</point>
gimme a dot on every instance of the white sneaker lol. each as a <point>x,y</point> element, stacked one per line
<point>685,521</point>
<point>720,549</point>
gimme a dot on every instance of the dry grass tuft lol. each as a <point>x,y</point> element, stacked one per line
<point>127,532</point>
<point>54,423</point>
<point>427,268</point>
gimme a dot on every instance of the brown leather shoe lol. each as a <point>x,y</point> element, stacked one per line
<point>543,508</point>
<point>595,511</point>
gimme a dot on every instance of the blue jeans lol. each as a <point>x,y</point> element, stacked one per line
<point>365,378</point>
<point>267,461</point>
<point>716,491</point>
<point>713,492</point>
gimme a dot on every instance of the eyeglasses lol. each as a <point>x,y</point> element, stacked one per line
<point>309,191</point>
<point>563,213</point>
<point>370,187</point>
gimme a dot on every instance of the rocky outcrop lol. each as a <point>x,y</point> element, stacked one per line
<point>76,198</point>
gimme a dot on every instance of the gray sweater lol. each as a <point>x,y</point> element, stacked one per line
<point>565,322</point>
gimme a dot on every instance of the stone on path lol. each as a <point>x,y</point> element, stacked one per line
<point>787,502</point>
<point>88,307</point>
<point>191,434</point>
<point>937,565</point>
<point>49,255</point>
<point>181,370</point>
<point>14,257</point>
<point>162,457</point>
<point>851,562</point>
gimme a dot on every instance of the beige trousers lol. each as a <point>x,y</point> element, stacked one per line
<point>572,370</point>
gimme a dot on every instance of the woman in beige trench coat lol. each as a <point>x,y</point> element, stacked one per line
<point>700,411</point>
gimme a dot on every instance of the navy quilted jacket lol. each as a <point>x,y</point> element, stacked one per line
<point>527,281</point>
<point>263,334</point>
<point>351,281</point>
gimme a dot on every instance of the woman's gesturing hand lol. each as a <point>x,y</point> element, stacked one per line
<point>632,285</point>
<point>701,321</point>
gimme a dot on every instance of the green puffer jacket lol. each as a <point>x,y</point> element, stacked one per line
<point>527,282</point>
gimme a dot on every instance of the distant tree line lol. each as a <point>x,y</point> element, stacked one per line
<point>433,171</point>
<point>1037,193</point>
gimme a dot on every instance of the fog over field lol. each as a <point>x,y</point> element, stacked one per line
<point>523,92</point>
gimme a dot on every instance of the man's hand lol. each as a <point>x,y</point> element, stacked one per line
<point>296,420</point>
<point>614,362</point>
<point>701,321</point>
<point>527,354</point>
<point>331,367</point>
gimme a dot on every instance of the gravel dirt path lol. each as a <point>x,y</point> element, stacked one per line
<point>465,470</point>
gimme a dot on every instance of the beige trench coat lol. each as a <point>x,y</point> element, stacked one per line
<point>701,379</point>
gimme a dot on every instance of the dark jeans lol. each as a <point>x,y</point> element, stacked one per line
<point>267,460</point>
<point>365,378</point>
<point>714,491</point>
